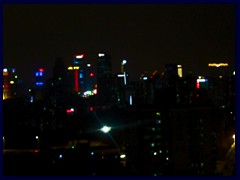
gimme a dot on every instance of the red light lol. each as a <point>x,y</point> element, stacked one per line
<point>91,74</point>
<point>36,151</point>
<point>41,70</point>
<point>70,111</point>
<point>91,108</point>
<point>76,81</point>
<point>198,85</point>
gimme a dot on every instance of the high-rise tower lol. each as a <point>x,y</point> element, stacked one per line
<point>104,78</point>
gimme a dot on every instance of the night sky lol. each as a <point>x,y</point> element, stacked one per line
<point>148,36</point>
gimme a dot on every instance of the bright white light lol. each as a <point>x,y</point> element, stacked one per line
<point>122,156</point>
<point>5,70</point>
<point>201,80</point>
<point>130,100</point>
<point>106,129</point>
<point>87,93</point>
<point>36,137</point>
<point>120,75</point>
<point>167,158</point>
<point>124,62</point>
<point>88,65</point>
<point>92,153</point>
<point>155,153</point>
<point>145,78</point>
<point>79,56</point>
<point>233,72</point>
<point>94,91</point>
<point>60,156</point>
<point>125,78</point>
<point>101,55</point>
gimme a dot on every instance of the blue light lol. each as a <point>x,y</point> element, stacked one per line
<point>31,99</point>
<point>80,75</point>
<point>40,74</point>
<point>37,73</point>
<point>39,83</point>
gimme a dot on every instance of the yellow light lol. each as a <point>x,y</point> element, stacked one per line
<point>11,82</point>
<point>217,64</point>
<point>70,68</point>
<point>76,67</point>
<point>233,137</point>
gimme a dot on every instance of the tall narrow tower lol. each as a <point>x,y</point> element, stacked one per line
<point>104,78</point>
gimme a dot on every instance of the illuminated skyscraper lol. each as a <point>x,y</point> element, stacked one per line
<point>78,64</point>
<point>6,84</point>
<point>39,83</point>
<point>83,75</point>
<point>10,82</point>
<point>220,76</point>
<point>180,71</point>
<point>104,78</point>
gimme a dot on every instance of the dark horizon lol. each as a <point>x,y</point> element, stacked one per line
<point>148,36</point>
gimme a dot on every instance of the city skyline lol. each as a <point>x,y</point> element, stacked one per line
<point>148,36</point>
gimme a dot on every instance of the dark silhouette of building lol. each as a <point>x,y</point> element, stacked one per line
<point>104,79</point>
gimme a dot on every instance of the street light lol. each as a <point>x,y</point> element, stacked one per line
<point>124,62</point>
<point>106,129</point>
